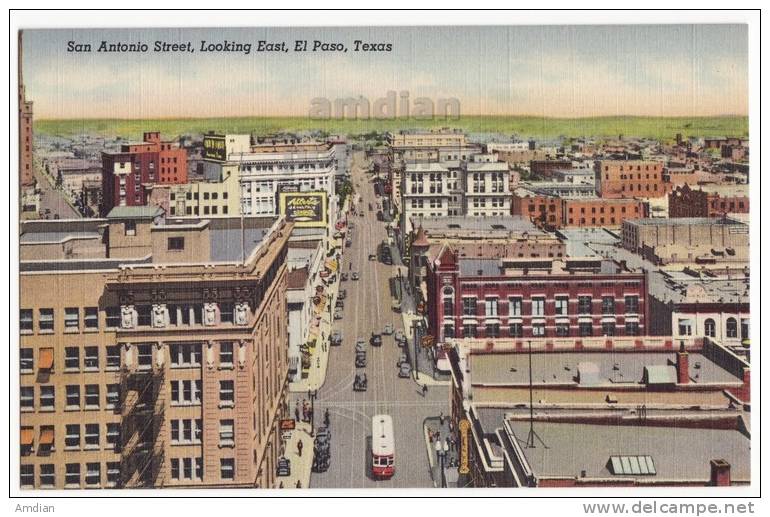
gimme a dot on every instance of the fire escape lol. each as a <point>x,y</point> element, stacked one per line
<point>142,406</point>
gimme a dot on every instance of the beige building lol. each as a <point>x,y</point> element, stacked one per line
<point>433,138</point>
<point>159,361</point>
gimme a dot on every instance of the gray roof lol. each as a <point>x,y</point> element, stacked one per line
<point>562,367</point>
<point>226,243</point>
<point>55,237</point>
<point>678,454</point>
<point>135,212</point>
<point>660,221</point>
<point>682,288</point>
<point>488,267</point>
<point>484,225</point>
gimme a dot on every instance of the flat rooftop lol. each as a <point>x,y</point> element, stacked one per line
<point>679,287</point>
<point>684,221</point>
<point>226,243</point>
<point>677,454</point>
<point>474,267</point>
<point>482,225</point>
<point>608,368</point>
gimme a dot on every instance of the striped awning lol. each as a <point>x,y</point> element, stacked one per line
<point>45,362</point>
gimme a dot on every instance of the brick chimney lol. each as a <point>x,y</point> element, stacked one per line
<point>682,365</point>
<point>720,473</point>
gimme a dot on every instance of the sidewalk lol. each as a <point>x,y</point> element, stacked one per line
<point>446,478</point>
<point>301,466</point>
<point>421,377</point>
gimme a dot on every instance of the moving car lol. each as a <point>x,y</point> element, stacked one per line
<point>360,345</point>
<point>348,242</point>
<point>355,276</point>
<point>360,359</point>
<point>339,304</point>
<point>395,305</point>
<point>404,370</point>
<point>388,330</point>
<point>343,293</point>
<point>399,336</point>
<point>336,338</point>
<point>360,383</point>
<point>372,256</point>
<point>375,340</point>
<point>402,359</point>
<point>338,315</point>
<point>343,277</point>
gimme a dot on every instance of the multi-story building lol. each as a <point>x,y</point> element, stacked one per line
<point>630,178</point>
<point>543,210</point>
<point>545,168</point>
<point>128,175</point>
<point>598,212</point>
<point>26,139</point>
<point>427,139</point>
<point>487,186</point>
<point>425,192</point>
<point>157,358</point>
<point>708,201</point>
<point>533,297</point>
<point>687,239</point>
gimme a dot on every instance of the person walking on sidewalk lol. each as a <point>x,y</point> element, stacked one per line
<point>424,390</point>
<point>296,412</point>
<point>299,448</point>
<point>299,484</point>
<point>326,417</point>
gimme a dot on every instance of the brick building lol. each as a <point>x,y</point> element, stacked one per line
<point>545,168</point>
<point>630,178</point>
<point>128,174</point>
<point>166,367</point>
<point>708,201</point>
<point>544,211</point>
<point>26,177</point>
<point>598,212</point>
<point>533,297</point>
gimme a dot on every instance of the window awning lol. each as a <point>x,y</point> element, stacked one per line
<point>46,359</point>
<point>27,436</point>
<point>46,436</point>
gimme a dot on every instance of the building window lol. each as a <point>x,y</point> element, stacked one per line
<point>91,358</point>
<point>46,320</point>
<point>538,306</point>
<point>493,330</point>
<point>112,434</point>
<point>175,243</point>
<point>144,315</point>
<point>93,474</point>
<point>47,397</point>
<point>226,353</point>
<point>449,307</point>
<point>71,359</point>
<point>91,318</point>
<point>26,360</point>
<point>732,328</point>
<point>710,328</point>
<point>113,317</point>
<point>585,329</point>
<point>517,330</point>
<point>562,329</point>
<point>608,328</point>
<point>632,304</point>
<point>185,355</point>
<point>449,331</point>
<point>490,307</point>
<point>71,318</point>
<point>538,329</point>
<point>113,357</point>
<point>92,436</point>
<point>514,306</point>
<point>72,477</point>
<point>25,320</point>
<point>685,327</point>
<point>469,306</point>
<point>27,397</point>
<point>632,328</point>
<point>92,396</point>
<point>226,433</point>
<point>226,312</point>
<point>584,305</point>
<point>47,475</point>
<point>562,305</point>
<point>144,356</point>
<point>113,395</point>
<point>72,436</point>
<point>27,476</point>
<point>226,393</point>
<point>744,328</point>
<point>175,473</point>
<point>608,305</point>
<point>469,330</point>
<point>73,396</point>
<point>227,468</point>
<point>130,228</point>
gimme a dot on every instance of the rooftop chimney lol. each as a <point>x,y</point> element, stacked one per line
<point>682,365</point>
<point>720,473</point>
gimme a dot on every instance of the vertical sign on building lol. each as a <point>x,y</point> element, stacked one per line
<point>464,427</point>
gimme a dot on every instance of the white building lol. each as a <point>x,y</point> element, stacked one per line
<point>424,192</point>
<point>487,186</point>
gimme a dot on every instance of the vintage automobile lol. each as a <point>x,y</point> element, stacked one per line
<point>348,242</point>
<point>388,330</point>
<point>336,338</point>
<point>395,305</point>
<point>361,359</point>
<point>375,340</point>
<point>343,293</point>
<point>355,276</point>
<point>404,370</point>
<point>338,315</point>
<point>399,337</point>
<point>360,345</point>
<point>402,359</point>
<point>339,304</point>
<point>359,383</point>
<point>372,256</point>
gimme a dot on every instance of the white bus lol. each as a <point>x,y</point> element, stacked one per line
<point>383,450</point>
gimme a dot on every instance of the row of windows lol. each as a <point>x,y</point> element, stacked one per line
<point>561,304</point>
<point>75,474</point>
<point>76,437</point>
<point>72,321</point>
<point>685,327</point>
<point>194,195</point>
<point>91,395</point>
<point>583,329</point>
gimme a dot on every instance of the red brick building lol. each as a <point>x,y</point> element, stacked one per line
<point>630,178</point>
<point>597,212</point>
<point>544,211</point>
<point>545,168</point>
<point>533,297</point>
<point>127,174</point>
<point>711,201</point>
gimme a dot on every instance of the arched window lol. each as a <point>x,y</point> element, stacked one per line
<point>732,327</point>
<point>710,328</point>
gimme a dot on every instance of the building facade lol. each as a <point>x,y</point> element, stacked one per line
<point>487,186</point>
<point>629,178</point>
<point>708,201</point>
<point>166,368</point>
<point>597,212</point>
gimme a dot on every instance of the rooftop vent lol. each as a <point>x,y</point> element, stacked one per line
<point>632,465</point>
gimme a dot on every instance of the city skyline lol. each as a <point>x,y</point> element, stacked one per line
<point>551,71</point>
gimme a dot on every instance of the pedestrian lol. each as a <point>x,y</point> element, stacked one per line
<point>326,417</point>
<point>296,412</point>
<point>441,418</point>
<point>280,485</point>
<point>430,435</point>
<point>424,390</point>
<point>299,448</point>
<point>299,484</point>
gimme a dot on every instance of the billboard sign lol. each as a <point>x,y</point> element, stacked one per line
<point>305,209</point>
<point>214,148</point>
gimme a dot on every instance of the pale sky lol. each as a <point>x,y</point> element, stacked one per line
<point>553,71</point>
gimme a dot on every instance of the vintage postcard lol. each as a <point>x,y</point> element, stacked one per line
<point>510,256</point>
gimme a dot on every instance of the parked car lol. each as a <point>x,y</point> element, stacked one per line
<point>343,293</point>
<point>338,315</point>
<point>399,336</point>
<point>339,304</point>
<point>355,276</point>
<point>405,370</point>
<point>343,277</point>
<point>372,256</point>
<point>375,340</point>
<point>284,467</point>
<point>360,345</point>
<point>402,359</point>
<point>336,338</point>
<point>388,330</point>
<point>348,242</point>
<point>395,305</point>
<point>359,383</point>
